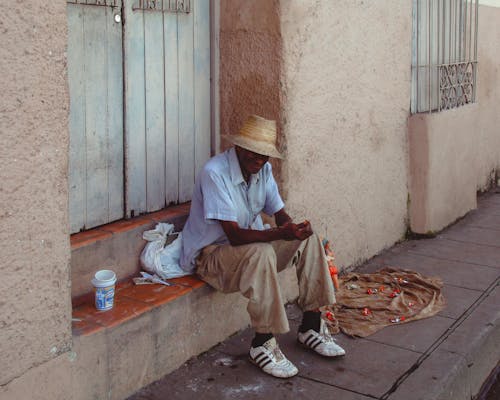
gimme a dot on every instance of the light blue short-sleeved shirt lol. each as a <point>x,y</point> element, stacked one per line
<point>221,193</point>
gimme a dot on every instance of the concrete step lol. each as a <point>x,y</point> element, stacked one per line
<point>152,329</point>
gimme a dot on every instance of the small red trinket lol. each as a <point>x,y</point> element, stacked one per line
<point>381,288</point>
<point>366,311</point>
<point>372,291</point>
<point>330,316</point>
<point>394,294</point>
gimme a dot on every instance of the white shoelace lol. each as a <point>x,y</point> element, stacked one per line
<point>278,354</point>
<point>275,351</point>
<point>324,334</point>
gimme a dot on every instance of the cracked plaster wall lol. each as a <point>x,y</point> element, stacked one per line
<point>35,309</point>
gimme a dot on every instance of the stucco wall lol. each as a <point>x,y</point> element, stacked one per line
<point>346,74</point>
<point>35,309</point>
<point>442,173</point>
<point>250,62</point>
<point>487,129</point>
<point>454,153</point>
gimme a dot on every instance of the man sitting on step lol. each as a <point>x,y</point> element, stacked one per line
<point>226,243</point>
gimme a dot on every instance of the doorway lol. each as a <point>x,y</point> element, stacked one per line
<point>140,115</point>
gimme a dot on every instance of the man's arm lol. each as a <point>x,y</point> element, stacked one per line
<point>286,230</point>
<point>282,218</point>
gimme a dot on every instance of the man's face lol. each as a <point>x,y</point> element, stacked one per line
<point>250,162</point>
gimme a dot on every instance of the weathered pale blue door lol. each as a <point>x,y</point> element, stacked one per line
<point>140,117</point>
<point>96,113</point>
<point>167,100</point>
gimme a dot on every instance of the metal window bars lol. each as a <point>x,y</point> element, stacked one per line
<point>444,54</point>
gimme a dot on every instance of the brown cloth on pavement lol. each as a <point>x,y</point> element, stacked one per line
<point>368,302</point>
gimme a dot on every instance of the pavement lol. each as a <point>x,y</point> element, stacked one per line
<point>447,356</point>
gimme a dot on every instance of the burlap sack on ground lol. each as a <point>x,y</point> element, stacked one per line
<point>368,302</point>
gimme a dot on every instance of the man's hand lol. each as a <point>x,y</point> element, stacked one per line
<point>300,231</point>
<point>286,230</point>
<point>305,229</point>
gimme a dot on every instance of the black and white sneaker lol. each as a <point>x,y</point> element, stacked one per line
<point>272,361</point>
<point>321,342</point>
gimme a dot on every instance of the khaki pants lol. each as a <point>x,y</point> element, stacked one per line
<point>252,269</point>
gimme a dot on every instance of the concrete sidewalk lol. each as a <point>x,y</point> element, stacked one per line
<point>447,356</point>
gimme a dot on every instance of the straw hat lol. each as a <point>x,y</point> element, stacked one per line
<point>258,135</point>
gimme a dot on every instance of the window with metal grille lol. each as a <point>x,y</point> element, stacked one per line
<point>444,54</point>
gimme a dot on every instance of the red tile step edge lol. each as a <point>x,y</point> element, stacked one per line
<point>106,231</point>
<point>130,302</point>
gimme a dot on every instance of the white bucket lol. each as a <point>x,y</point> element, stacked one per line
<point>104,284</point>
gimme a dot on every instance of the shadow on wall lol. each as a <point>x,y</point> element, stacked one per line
<point>252,94</point>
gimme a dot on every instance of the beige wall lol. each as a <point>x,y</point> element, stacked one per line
<point>35,309</point>
<point>492,3</point>
<point>487,130</point>
<point>454,153</point>
<point>250,62</point>
<point>343,123</point>
<point>346,74</point>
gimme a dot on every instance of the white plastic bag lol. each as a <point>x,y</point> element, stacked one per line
<point>159,259</point>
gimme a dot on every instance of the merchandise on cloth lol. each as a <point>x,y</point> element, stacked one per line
<point>368,302</point>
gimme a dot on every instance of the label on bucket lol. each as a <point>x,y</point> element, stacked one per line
<point>104,297</point>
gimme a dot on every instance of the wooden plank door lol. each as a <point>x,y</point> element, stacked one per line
<point>139,117</point>
<point>95,76</point>
<point>167,100</point>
